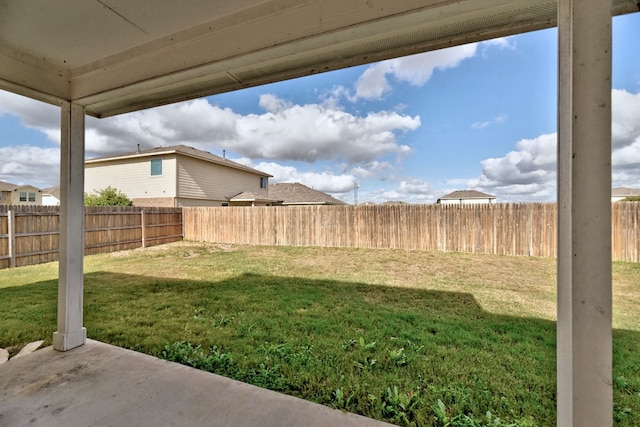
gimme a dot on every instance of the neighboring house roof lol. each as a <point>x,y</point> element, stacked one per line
<point>54,191</point>
<point>6,186</point>
<point>298,194</point>
<point>248,196</point>
<point>625,192</point>
<point>466,195</point>
<point>179,149</point>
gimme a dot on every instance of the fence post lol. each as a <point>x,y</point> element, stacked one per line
<point>143,223</point>
<point>11,229</point>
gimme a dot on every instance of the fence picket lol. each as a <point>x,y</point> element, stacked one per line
<point>528,229</point>
<point>29,234</point>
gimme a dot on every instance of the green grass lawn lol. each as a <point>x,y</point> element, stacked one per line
<point>410,337</point>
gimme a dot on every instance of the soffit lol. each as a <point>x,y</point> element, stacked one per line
<point>115,56</point>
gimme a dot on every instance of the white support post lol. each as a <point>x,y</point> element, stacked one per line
<point>71,333</point>
<point>585,393</point>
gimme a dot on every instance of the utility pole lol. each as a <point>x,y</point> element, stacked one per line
<point>355,192</point>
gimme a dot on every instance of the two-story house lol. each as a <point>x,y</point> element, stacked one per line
<point>13,194</point>
<point>178,176</point>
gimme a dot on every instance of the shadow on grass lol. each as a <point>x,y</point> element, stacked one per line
<point>384,352</point>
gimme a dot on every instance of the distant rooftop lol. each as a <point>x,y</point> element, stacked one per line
<point>298,194</point>
<point>625,192</point>
<point>466,194</point>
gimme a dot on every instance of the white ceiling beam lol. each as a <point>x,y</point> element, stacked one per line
<point>33,77</point>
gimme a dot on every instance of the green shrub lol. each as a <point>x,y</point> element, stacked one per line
<point>109,196</point>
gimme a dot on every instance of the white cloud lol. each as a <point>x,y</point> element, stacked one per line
<point>413,186</point>
<point>324,181</point>
<point>409,190</point>
<point>529,173</point>
<point>273,104</point>
<point>284,131</point>
<point>373,169</point>
<point>496,120</point>
<point>416,70</point>
<point>526,174</point>
<point>27,164</point>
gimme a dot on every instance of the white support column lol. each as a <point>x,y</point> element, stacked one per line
<point>71,333</point>
<point>585,393</point>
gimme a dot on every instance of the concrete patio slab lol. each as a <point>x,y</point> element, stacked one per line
<point>101,385</point>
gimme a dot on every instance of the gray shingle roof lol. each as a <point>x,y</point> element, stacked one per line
<point>6,186</point>
<point>54,191</point>
<point>298,194</point>
<point>625,192</point>
<point>466,194</point>
<point>181,149</point>
<point>249,196</point>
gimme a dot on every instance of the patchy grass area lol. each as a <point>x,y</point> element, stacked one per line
<point>410,337</point>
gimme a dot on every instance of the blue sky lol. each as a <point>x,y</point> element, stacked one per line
<point>479,116</point>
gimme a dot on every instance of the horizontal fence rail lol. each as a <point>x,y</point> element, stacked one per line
<point>528,229</point>
<point>29,234</point>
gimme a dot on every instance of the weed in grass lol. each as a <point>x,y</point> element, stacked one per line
<point>270,377</point>
<point>414,347</point>
<point>211,360</point>
<point>220,321</point>
<point>341,401</point>
<point>398,357</point>
<point>365,362</point>
<point>370,346</point>
<point>400,407</point>
<point>245,330</point>
<point>302,356</point>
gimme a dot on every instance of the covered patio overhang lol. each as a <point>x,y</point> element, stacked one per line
<point>107,57</point>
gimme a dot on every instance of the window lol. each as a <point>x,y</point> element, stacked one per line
<point>263,182</point>
<point>32,197</point>
<point>156,167</point>
<point>23,196</point>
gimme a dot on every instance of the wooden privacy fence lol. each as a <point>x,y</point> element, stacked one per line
<point>506,229</point>
<point>29,234</point>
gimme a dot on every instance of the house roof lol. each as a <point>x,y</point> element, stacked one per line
<point>54,191</point>
<point>7,186</point>
<point>625,192</point>
<point>466,194</point>
<point>115,56</point>
<point>248,196</point>
<point>182,150</point>
<point>298,194</point>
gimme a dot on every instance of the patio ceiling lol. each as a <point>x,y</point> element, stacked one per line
<point>116,56</point>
